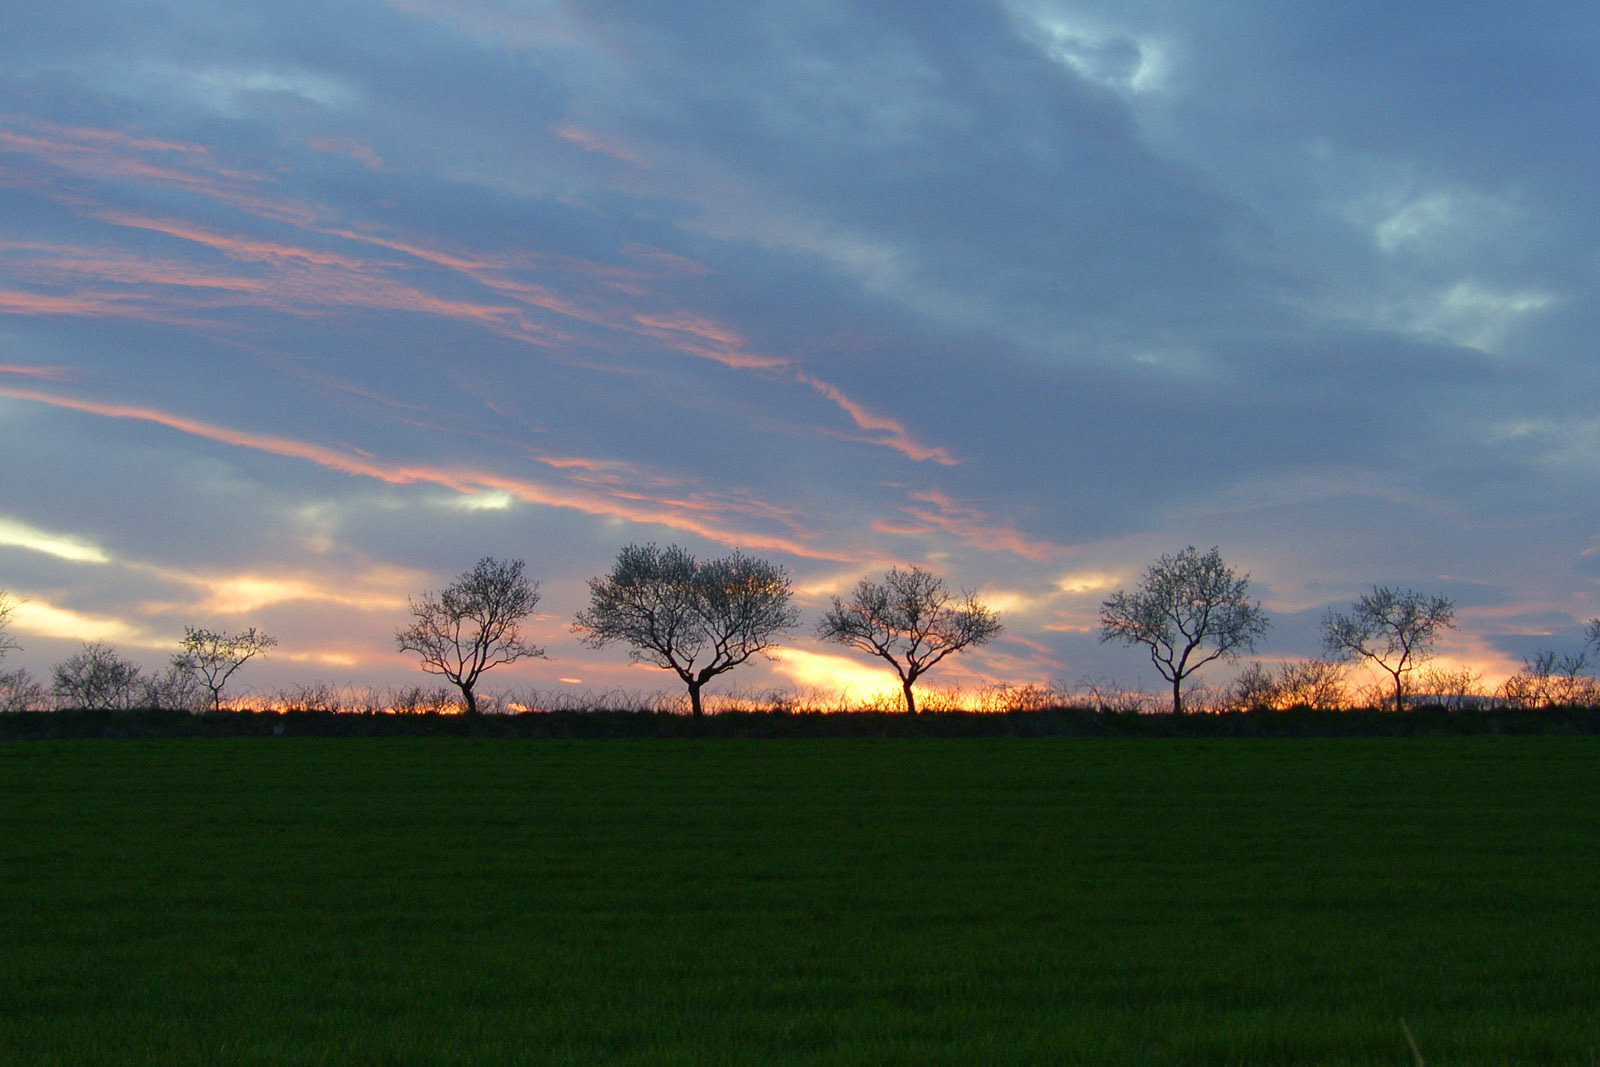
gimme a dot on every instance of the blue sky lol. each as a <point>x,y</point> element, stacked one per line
<point>305,307</point>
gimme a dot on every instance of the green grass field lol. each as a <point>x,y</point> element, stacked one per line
<point>833,902</point>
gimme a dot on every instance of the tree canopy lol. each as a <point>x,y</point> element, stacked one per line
<point>213,655</point>
<point>1393,629</point>
<point>911,621</point>
<point>696,619</point>
<point>473,624</point>
<point>1188,610</point>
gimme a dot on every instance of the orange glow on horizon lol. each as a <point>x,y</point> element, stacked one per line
<point>850,678</point>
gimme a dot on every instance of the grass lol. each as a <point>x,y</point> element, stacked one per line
<point>305,901</point>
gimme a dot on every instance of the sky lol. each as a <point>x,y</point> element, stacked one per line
<point>306,307</point>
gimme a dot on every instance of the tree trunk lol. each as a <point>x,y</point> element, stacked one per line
<point>911,701</point>
<point>1399,695</point>
<point>694,699</point>
<point>1177,696</point>
<point>471,701</point>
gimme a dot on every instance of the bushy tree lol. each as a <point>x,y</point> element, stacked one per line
<point>1188,610</point>
<point>97,678</point>
<point>473,624</point>
<point>696,619</point>
<point>211,656</point>
<point>1393,629</point>
<point>911,621</point>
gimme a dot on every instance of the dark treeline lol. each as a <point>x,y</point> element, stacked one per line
<point>1080,722</point>
<point>701,619</point>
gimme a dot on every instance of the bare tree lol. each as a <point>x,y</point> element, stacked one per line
<point>1189,610</point>
<point>1456,689</point>
<point>910,620</point>
<point>1391,628</point>
<point>7,607</point>
<point>98,678</point>
<point>19,692</point>
<point>1548,679</point>
<point>213,655</point>
<point>473,624</point>
<point>695,619</point>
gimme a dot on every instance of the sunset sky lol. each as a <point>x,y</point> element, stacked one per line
<point>305,307</point>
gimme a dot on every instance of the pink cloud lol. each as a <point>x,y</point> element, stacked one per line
<point>101,154</point>
<point>590,141</point>
<point>235,247</point>
<point>687,515</point>
<point>898,437</point>
<point>345,146</point>
<point>698,335</point>
<point>47,374</point>
<point>976,528</point>
<point>305,279</point>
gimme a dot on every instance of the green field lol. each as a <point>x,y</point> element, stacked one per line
<point>278,901</point>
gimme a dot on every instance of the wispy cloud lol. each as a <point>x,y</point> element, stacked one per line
<point>703,518</point>
<point>100,155</point>
<point>895,435</point>
<point>62,546</point>
<point>594,142</point>
<point>43,618</point>
<point>974,527</point>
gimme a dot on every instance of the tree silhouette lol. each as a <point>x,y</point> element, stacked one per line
<point>1188,610</point>
<point>213,655</point>
<point>473,624</point>
<point>1393,629</point>
<point>7,607</point>
<point>18,690</point>
<point>911,621</point>
<point>695,619</point>
<point>97,678</point>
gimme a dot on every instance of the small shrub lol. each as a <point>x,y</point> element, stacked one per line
<point>1453,689</point>
<point>1255,689</point>
<point>312,696</point>
<point>420,700</point>
<point>1548,680</point>
<point>19,692</point>
<point>1111,698</point>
